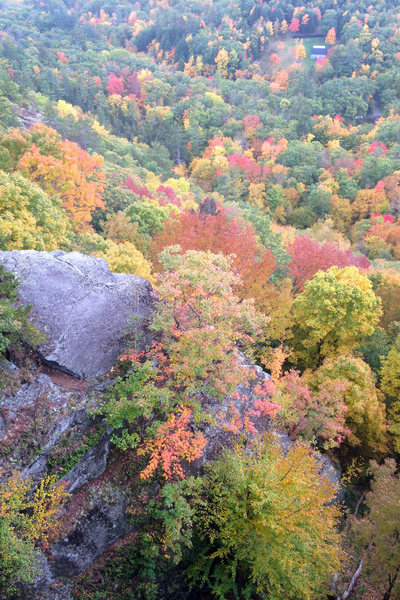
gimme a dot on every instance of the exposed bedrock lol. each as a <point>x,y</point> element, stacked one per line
<point>87,313</point>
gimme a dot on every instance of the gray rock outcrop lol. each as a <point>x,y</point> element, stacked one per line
<point>32,420</point>
<point>87,313</point>
<point>105,523</point>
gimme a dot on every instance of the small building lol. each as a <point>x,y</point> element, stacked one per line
<point>318,52</point>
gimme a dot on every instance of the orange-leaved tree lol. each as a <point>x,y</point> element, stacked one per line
<point>77,178</point>
<point>59,167</point>
<point>331,37</point>
<point>173,442</point>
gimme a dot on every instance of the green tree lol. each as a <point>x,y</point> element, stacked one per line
<point>265,526</point>
<point>379,530</point>
<point>336,310</point>
<point>375,348</point>
<point>346,59</point>
<point>390,385</point>
<point>148,215</point>
<point>390,372</point>
<point>15,329</point>
<point>319,201</point>
<point>365,416</point>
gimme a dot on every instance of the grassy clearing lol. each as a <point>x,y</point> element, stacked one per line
<point>284,47</point>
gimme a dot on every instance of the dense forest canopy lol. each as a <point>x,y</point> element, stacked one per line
<point>197,144</point>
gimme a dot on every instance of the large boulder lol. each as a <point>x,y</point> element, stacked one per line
<point>87,313</point>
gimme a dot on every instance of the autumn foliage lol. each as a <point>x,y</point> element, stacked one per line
<point>309,256</point>
<point>76,177</point>
<point>197,145</point>
<point>28,517</point>
<point>58,167</point>
<point>331,37</point>
<point>267,516</point>
<point>378,530</point>
<point>335,311</point>
<point>200,321</point>
<point>173,442</point>
<point>227,234</point>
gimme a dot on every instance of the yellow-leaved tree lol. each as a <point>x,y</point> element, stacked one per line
<point>336,310</point>
<point>263,524</point>
<point>365,416</point>
<point>30,219</point>
<point>300,52</point>
<point>126,258</point>
<point>28,517</point>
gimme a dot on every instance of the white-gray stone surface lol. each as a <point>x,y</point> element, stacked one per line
<point>86,312</point>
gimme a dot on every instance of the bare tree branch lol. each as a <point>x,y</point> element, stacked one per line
<point>352,583</point>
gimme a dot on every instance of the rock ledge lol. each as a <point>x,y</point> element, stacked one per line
<point>87,313</point>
